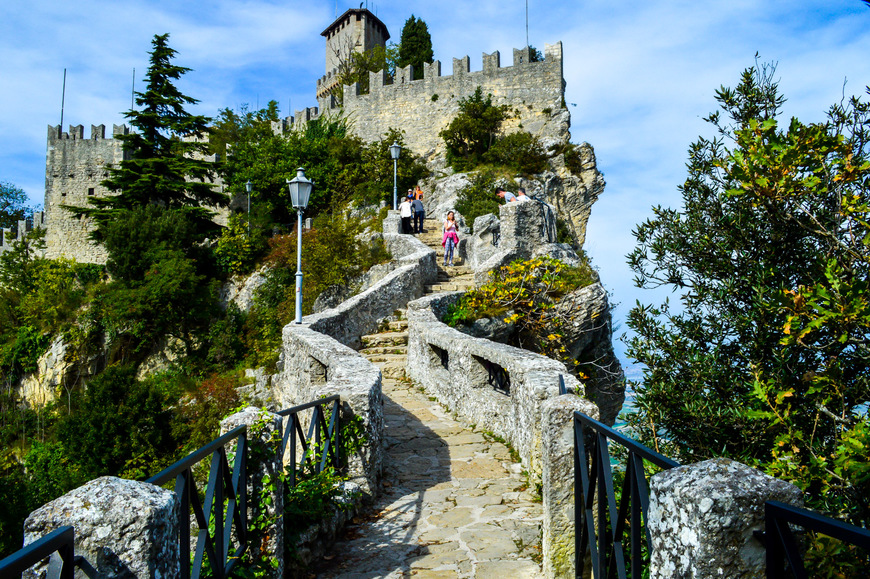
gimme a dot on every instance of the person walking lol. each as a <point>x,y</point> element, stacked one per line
<point>450,238</point>
<point>405,212</point>
<point>506,195</point>
<point>419,213</point>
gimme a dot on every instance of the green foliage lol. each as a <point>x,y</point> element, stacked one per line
<point>13,205</point>
<point>766,358</point>
<point>226,338</point>
<point>161,163</point>
<point>415,46</point>
<point>118,421</point>
<point>573,156</point>
<point>473,131</point>
<point>478,197</point>
<point>525,294</point>
<point>519,152</point>
<point>237,250</point>
<point>355,68</point>
<point>51,472</point>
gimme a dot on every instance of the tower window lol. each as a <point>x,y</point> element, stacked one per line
<point>90,191</point>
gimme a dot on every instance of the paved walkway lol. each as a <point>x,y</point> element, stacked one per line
<point>453,503</point>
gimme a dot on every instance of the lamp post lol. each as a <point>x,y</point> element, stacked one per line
<point>248,188</point>
<point>300,191</point>
<point>395,149</point>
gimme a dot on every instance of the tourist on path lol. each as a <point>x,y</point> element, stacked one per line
<point>506,195</point>
<point>405,213</point>
<point>450,238</point>
<point>522,197</point>
<point>419,213</point>
<point>418,193</point>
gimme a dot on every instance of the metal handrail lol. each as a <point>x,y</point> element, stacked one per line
<point>60,541</point>
<point>782,546</point>
<point>602,523</point>
<point>321,436</point>
<point>225,485</point>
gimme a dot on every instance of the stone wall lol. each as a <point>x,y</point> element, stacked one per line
<point>360,314</point>
<point>313,365</point>
<point>454,367</point>
<point>8,236</point>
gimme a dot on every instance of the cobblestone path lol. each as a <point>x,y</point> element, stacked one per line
<point>453,503</point>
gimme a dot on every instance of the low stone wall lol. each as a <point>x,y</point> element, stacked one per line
<point>360,314</point>
<point>456,368</point>
<point>313,365</point>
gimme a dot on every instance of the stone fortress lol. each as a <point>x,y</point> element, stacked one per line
<point>76,165</point>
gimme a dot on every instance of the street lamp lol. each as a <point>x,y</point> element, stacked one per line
<point>248,188</point>
<point>395,149</point>
<point>300,191</point>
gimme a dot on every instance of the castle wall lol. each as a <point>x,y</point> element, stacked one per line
<point>423,108</point>
<point>74,168</point>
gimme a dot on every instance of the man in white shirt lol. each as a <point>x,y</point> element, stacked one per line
<point>405,213</point>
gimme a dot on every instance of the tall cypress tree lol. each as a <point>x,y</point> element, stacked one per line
<point>416,46</point>
<point>163,162</point>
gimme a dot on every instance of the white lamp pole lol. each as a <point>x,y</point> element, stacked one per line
<point>395,150</point>
<point>248,188</point>
<point>300,191</point>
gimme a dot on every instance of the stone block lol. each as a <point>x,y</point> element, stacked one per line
<point>702,518</point>
<point>123,528</point>
<point>557,489</point>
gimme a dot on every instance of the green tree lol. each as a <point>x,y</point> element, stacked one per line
<point>766,357</point>
<point>13,207</point>
<point>415,46</point>
<point>473,131</point>
<point>355,68</point>
<point>163,161</point>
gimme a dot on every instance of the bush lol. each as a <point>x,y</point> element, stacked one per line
<point>237,250</point>
<point>473,131</point>
<point>520,152</point>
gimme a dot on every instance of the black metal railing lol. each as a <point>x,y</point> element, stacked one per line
<point>784,555</point>
<point>60,541</point>
<point>321,445</point>
<point>602,524</point>
<point>225,503</point>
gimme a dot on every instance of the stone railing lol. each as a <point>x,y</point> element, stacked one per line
<point>359,315</point>
<point>313,365</point>
<point>510,392</point>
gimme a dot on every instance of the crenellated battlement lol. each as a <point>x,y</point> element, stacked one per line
<point>77,132</point>
<point>534,91</point>
<point>8,236</point>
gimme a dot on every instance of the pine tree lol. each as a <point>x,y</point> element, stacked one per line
<point>163,162</point>
<point>416,46</point>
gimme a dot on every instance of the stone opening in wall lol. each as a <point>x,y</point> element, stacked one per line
<point>316,371</point>
<point>90,191</point>
<point>439,356</point>
<point>492,374</point>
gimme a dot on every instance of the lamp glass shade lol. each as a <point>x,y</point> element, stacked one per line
<point>300,189</point>
<point>249,186</point>
<point>395,150</point>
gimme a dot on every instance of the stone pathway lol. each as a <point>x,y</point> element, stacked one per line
<point>453,503</point>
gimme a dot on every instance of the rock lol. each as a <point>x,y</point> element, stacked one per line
<point>494,329</point>
<point>41,387</point>
<point>702,518</point>
<point>260,392</point>
<point>240,290</point>
<point>123,528</point>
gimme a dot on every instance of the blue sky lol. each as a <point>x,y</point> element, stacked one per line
<point>640,75</point>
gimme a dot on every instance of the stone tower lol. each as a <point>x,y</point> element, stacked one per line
<point>357,30</point>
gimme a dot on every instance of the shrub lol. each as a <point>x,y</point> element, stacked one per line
<point>478,198</point>
<point>521,152</point>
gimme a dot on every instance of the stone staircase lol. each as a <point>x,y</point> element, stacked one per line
<point>388,350</point>
<point>458,277</point>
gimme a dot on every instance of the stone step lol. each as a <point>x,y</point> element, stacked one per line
<point>447,287</point>
<point>388,358</point>
<point>394,371</point>
<point>385,339</point>
<point>398,350</point>
<point>399,326</point>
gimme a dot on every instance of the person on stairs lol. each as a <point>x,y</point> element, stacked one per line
<point>419,213</point>
<point>450,238</point>
<point>405,213</point>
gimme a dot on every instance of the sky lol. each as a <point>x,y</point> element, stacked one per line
<point>640,76</point>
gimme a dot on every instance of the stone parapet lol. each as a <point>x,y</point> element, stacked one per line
<point>702,518</point>
<point>460,371</point>
<point>123,528</point>
<point>313,365</point>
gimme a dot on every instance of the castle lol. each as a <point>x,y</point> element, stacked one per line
<point>534,91</point>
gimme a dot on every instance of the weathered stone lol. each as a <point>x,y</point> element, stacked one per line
<point>557,489</point>
<point>260,392</point>
<point>123,528</point>
<point>702,518</point>
<point>41,387</point>
<point>240,290</point>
